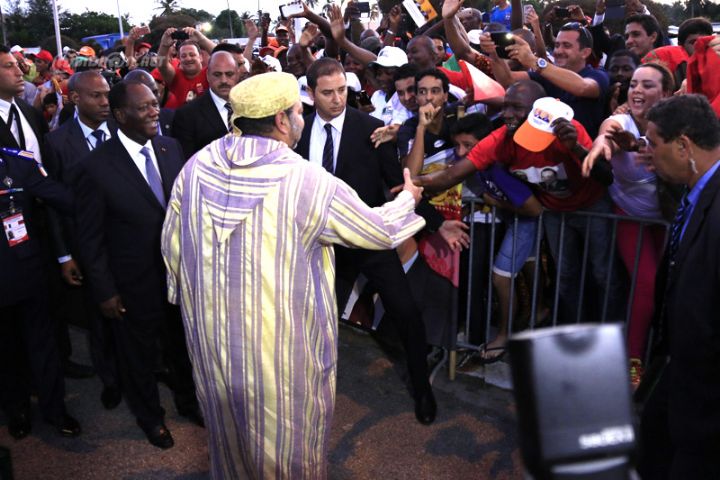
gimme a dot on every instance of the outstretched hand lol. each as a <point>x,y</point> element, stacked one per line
<point>410,187</point>
<point>454,232</point>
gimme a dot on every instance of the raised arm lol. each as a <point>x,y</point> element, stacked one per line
<point>337,25</point>
<point>166,69</point>
<point>560,77</point>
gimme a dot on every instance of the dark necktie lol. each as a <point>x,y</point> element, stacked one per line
<point>327,160</point>
<point>153,177</point>
<point>229,116</point>
<point>14,117</point>
<point>677,226</point>
<point>99,137</point>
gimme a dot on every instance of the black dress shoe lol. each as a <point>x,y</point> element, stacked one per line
<point>425,407</point>
<point>66,426</point>
<point>77,371</point>
<point>194,415</point>
<point>19,426</point>
<point>110,397</point>
<point>158,435</point>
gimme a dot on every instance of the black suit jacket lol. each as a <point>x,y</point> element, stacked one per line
<point>119,222</point>
<point>365,168</point>
<point>64,148</point>
<point>21,266</point>
<point>691,312</point>
<point>198,123</point>
<point>166,119</point>
<point>36,121</point>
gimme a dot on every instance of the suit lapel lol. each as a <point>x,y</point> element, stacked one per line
<point>698,215</point>
<point>346,140</point>
<point>125,165</point>
<point>168,166</point>
<point>77,141</point>
<point>303,146</point>
<point>6,137</point>
<point>211,113</point>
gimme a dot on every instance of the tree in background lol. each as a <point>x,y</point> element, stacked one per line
<point>221,25</point>
<point>168,6</point>
<point>89,23</point>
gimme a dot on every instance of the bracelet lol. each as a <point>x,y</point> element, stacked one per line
<point>389,32</point>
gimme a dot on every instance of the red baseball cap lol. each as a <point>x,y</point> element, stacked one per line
<point>143,44</point>
<point>42,55</point>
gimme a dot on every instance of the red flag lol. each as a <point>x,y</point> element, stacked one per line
<point>484,87</point>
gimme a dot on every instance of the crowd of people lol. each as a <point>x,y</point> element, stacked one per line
<point>214,208</point>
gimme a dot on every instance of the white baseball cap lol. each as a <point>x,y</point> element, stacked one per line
<point>391,57</point>
<point>536,134</point>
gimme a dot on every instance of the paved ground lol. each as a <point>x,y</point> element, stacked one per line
<point>374,433</point>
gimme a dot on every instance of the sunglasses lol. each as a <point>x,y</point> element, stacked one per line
<point>580,28</point>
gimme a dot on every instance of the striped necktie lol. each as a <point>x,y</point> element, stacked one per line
<point>99,137</point>
<point>328,150</point>
<point>677,226</point>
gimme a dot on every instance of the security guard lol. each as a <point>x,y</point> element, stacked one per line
<point>25,325</point>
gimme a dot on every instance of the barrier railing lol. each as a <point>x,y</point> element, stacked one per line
<point>544,256</point>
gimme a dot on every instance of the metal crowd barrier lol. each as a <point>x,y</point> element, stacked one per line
<point>475,205</point>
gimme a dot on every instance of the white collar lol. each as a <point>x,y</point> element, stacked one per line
<point>219,102</point>
<point>132,147</point>
<point>87,131</point>
<point>336,122</point>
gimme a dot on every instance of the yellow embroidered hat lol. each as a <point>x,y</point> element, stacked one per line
<point>264,95</point>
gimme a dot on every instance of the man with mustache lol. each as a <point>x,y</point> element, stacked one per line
<point>208,118</point>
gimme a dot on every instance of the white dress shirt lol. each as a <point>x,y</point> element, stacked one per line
<point>220,105</point>
<point>133,148</point>
<point>89,137</point>
<point>318,136</point>
<point>31,141</point>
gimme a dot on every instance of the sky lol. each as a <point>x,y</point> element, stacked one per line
<point>143,10</point>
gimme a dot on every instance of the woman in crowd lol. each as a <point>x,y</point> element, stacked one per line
<point>635,193</point>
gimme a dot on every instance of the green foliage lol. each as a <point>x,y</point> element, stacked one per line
<point>90,23</point>
<point>221,25</point>
<point>200,15</point>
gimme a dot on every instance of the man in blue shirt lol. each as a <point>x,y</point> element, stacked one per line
<point>501,13</point>
<point>680,426</point>
<point>570,79</point>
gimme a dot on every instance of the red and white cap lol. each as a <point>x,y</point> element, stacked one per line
<point>536,134</point>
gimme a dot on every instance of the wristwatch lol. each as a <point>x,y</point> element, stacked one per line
<point>540,64</point>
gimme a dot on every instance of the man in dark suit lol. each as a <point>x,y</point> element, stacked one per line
<point>167,115</point>
<point>65,147</point>
<point>207,118</point>
<point>681,419</point>
<point>338,137</point>
<point>25,326</point>
<point>121,199</point>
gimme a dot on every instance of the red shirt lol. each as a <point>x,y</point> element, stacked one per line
<point>555,173</point>
<point>185,89</point>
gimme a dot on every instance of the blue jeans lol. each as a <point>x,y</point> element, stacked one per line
<point>569,261</point>
<point>524,246</point>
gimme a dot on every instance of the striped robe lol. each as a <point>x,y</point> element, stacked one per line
<point>248,245</point>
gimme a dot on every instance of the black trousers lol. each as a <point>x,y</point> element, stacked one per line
<point>660,459</point>
<point>27,339</point>
<point>136,341</point>
<point>387,277</point>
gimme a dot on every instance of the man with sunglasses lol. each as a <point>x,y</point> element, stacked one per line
<point>569,79</point>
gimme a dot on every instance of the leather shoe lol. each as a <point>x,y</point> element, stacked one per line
<point>76,371</point>
<point>67,426</point>
<point>194,415</point>
<point>425,407</point>
<point>19,426</point>
<point>110,397</point>
<point>159,436</point>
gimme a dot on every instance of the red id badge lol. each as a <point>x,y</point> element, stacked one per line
<point>15,229</point>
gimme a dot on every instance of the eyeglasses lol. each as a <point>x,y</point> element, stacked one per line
<point>580,28</point>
